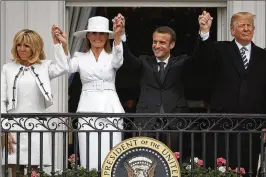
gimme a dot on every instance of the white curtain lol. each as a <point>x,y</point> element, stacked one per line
<point>78,20</point>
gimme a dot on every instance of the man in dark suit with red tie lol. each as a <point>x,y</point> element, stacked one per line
<point>237,75</point>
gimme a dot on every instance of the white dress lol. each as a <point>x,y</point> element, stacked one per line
<point>30,99</point>
<point>98,96</point>
<point>28,90</point>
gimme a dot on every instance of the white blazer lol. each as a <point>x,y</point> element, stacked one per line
<point>98,79</point>
<point>43,74</point>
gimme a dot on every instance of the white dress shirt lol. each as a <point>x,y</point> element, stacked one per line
<point>165,61</point>
<point>205,36</point>
<point>248,47</point>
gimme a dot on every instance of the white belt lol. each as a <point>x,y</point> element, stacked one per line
<point>98,86</point>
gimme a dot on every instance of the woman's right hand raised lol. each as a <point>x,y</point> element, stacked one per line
<point>119,22</point>
<point>59,36</point>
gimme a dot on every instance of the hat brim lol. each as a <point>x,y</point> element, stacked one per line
<point>82,34</point>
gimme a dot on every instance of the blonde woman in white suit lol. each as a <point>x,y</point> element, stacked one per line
<point>26,88</point>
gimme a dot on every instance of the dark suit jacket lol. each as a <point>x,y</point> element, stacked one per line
<point>169,93</point>
<point>232,88</point>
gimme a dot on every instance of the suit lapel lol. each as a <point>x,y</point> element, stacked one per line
<point>167,67</point>
<point>237,59</point>
<point>253,55</point>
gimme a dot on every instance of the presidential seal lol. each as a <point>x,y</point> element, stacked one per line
<point>140,157</point>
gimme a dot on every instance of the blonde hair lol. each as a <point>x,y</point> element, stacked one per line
<point>239,15</point>
<point>107,46</point>
<point>33,40</point>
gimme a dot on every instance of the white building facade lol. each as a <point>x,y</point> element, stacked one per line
<point>41,15</point>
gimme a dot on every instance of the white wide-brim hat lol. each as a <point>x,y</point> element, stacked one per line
<point>96,24</point>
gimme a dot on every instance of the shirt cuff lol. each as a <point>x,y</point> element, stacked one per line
<point>123,38</point>
<point>58,44</point>
<point>118,48</point>
<point>204,36</point>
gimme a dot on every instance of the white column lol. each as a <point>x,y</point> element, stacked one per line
<point>255,7</point>
<point>12,19</point>
<point>38,16</point>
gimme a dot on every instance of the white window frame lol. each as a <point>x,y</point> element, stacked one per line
<point>220,5</point>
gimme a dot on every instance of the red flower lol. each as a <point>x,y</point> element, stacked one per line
<point>34,174</point>
<point>72,158</point>
<point>200,162</point>
<point>242,171</point>
<point>221,161</point>
<point>177,155</point>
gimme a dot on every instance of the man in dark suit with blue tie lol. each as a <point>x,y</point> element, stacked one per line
<point>237,78</point>
<point>162,89</point>
<point>161,83</point>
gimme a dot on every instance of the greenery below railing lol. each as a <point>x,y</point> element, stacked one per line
<point>199,171</point>
<point>80,172</point>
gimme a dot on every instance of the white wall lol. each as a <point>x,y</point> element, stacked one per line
<point>255,7</point>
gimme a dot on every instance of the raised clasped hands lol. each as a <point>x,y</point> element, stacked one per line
<point>118,25</point>
<point>205,21</point>
<point>58,35</point>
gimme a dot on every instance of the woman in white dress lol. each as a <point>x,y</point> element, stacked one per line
<point>97,68</point>
<point>26,88</point>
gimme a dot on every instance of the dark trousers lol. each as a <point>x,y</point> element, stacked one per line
<point>176,140</point>
<point>172,140</point>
